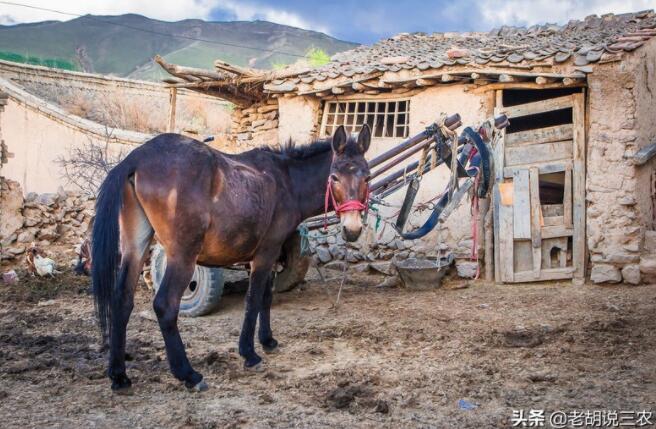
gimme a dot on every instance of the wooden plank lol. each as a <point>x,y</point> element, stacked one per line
<point>552,220</point>
<point>541,135</point>
<point>645,154</point>
<point>578,186</point>
<point>547,152</point>
<point>539,107</point>
<point>567,198</point>
<point>536,215</point>
<point>546,274</point>
<point>499,149</point>
<point>497,86</point>
<point>496,202</point>
<point>506,257</point>
<point>556,231</point>
<point>544,168</point>
<point>552,209</point>
<point>521,206</point>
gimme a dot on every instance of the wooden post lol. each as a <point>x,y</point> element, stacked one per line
<point>578,185</point>
<point>172,107</point>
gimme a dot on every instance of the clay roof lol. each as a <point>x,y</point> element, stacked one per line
<point>579,42</point>
<point>545,55</point>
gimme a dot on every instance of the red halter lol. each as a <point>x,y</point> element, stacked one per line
<point>346,206</point>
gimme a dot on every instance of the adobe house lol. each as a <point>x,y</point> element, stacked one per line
<point>575,181</point>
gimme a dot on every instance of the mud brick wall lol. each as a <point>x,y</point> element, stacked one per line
<point>622,96</point>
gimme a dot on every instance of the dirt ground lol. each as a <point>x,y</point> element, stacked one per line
<point>384,358</point>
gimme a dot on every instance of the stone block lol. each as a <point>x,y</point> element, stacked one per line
<point>466,269</point>
<point>650,241</point>
<point>631,274</point>
<point>604,273</point>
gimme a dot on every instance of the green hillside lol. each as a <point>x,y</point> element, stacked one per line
<point>113,45</point>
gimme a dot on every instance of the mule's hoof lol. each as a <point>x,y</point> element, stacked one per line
<point>271,347</point>
<point>258,367</point>
<point>201,386</point>
<point>122,385</point>
<point>123,391</point>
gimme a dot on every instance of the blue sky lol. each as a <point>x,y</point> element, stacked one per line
<point>358,21</point>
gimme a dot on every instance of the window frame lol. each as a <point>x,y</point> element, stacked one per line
<point>353,123</point>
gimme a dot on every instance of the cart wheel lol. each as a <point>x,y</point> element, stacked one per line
<point>203,294</point>
<point>296,266</point>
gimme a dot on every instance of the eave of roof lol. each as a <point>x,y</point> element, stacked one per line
<point>545,55</point>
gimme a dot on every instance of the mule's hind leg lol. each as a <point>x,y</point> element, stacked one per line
<point>260,274</point>
<point>167,304</point>
<point>265,335</point>
<point>136,234</point>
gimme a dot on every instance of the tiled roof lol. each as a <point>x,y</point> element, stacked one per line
<point>578,42</point>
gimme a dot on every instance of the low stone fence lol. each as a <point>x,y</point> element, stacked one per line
<point>44,219</point>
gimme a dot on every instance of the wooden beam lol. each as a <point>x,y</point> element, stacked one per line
<point>578,187</point>
<point>424,82</point>
<point>541,135</point>
<point>544,168</point>
<point>642,156</point>
<point>569,81</point>
<point>522,85</point>
<point>546,152</point>
<point>546,274</point>
<point>506,242</point>
<point>506,78</point>
<point>536,233</point>
<point>567,198</point>
<point>542,80</point>
<point>521,206</point>
<point>337,90</point>
<point>539,106</point>
<point>357,86</point>
<point>173,98</point>
<point>447,78</point>
<point>182,71</point>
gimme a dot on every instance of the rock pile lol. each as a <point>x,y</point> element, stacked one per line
<point>46,219</point>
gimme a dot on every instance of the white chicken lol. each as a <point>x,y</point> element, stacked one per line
<point>38,263</point>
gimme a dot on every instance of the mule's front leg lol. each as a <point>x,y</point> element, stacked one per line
<point>254,297</point>
<point>269,344</point>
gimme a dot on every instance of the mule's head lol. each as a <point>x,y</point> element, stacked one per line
<point>349,179</point>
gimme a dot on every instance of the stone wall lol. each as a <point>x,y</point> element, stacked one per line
<point>299,119</point>
<point>621,121</point>
<point>45,219</point>
<point>254,126</point>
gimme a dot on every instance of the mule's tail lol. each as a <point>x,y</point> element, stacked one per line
<point>105,256</point>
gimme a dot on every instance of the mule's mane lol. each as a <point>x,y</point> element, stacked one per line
<point>300,152</point>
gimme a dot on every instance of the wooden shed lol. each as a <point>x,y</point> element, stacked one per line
<point>574,190</point>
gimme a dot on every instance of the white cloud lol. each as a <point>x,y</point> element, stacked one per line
<point>167,10</point>
<point>528,12</point>
<point>248,12</point>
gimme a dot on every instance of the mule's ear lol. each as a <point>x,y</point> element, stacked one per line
<point>339,140</point>
<point>364,138</point>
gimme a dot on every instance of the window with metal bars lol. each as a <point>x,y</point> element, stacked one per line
<point>386,118</point>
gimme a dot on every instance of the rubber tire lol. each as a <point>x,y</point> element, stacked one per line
<point>295,265</point>
<point>206,296</point>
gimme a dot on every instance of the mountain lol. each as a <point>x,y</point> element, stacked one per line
<point>124,45</point>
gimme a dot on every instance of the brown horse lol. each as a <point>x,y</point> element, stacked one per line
<point>213,209</point>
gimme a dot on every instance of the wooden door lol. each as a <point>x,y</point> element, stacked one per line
<point>539,192</point>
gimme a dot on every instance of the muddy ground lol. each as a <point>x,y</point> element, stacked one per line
<point>384,358</point>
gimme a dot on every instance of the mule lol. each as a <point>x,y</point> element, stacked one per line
<point>213,209</point>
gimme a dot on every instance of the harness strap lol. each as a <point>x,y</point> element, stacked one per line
<point>346,206</point>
